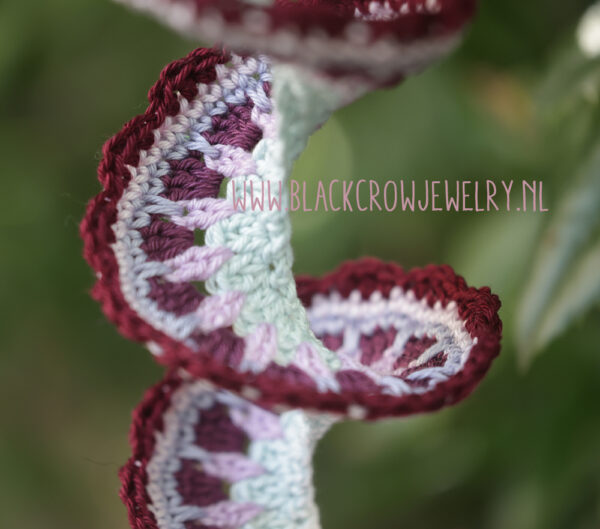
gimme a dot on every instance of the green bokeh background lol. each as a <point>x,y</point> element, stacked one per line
<point>522,453</point>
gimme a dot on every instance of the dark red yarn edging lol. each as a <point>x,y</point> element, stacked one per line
<point>477,307</point>
<point>147,421</point>
<point>180,77</point>
<point>334,16</point>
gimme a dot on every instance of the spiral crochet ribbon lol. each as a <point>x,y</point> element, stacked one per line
<point>259,363</point>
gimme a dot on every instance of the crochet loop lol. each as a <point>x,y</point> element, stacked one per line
<point>259,363</point>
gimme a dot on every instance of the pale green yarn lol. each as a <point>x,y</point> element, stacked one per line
<point>261,267</point>
<point>304,102</point>
<point>286,489</point>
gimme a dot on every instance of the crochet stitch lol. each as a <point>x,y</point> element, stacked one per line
<point>369,340</point>
<point>205,458</point>
<point>380,41</point>
<point>251,330</point>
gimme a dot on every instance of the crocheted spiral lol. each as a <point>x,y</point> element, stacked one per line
<point>261,363</point>
<point>379,40</point>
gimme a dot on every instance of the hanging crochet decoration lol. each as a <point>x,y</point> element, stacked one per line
<point>260,363</point>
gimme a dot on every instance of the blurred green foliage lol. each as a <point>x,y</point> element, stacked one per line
<point>522,453</point>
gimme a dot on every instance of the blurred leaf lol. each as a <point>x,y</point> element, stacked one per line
<point>480,246</point>
<point>573,78</point>
<point>517,33</point>
<point>579,292</point>
<point>568,104</point>
<point>548,304</point>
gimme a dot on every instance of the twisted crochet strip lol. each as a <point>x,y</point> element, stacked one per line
<point>250,330</point>
<point>208,459</point>
<point>261,363</point>
<point>382,41</point>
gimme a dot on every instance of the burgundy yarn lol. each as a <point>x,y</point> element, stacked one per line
<point>217,433</point>
<point>277,384</point>
<point>334,16</point>
<point>147,422</point>
<point>189,179</point>
<point>372,346</point>
<point>220,352</point>
<point>123,149</point>
<point>236,128</point>
<point>197,487</point>
<point>178,298</point>
<point>147,419</point>
<point>413,349</point>
<point>165,240</point>
<point>219,356</point>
